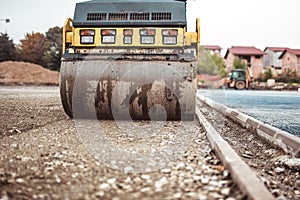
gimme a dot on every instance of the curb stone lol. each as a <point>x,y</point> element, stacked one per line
<point>286,141</point>
<point>248,182</point>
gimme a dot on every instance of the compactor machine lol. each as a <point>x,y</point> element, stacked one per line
<point>240,79</point>
<point>129,59</point>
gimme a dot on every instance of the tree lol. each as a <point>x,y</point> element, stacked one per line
<point>211,64</point>
<point>219,62</point>
<point>206,65</point>
<point>268,74</point>
<point>33,48</point>
<point>7,48</point>
<point>239,64</point>
<point>53,48</point>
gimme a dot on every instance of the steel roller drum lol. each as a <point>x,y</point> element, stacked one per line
<point>128,90</point>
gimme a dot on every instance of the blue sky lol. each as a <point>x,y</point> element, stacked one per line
<point>225,23</point>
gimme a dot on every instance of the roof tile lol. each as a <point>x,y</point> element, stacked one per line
<point>243,50</point>
<point>212,47</point>
<point>276,49</point>
<point>292,51</point>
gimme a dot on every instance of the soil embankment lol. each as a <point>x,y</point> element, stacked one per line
<point>23,73</point>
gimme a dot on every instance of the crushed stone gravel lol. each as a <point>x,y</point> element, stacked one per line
<point>43,157</point>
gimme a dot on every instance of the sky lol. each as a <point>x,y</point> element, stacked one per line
<point>259,23</point>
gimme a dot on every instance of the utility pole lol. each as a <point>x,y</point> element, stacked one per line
<point>5,20</point>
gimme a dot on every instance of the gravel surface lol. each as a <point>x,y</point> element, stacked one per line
<point>26,108</point>
<point>267,161</point>
<point>45,155</point>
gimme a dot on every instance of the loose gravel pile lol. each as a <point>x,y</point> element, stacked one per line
<point>23,73</point>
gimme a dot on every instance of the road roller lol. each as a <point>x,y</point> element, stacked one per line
<point>129,60</point>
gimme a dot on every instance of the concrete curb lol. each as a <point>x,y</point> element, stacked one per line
<point>288,142</point>
<point>241,173</point>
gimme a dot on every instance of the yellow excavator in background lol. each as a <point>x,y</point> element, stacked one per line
<point>239,79</point>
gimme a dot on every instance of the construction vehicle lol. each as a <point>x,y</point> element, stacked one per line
<point>239,79</point>
<point>129,59</point>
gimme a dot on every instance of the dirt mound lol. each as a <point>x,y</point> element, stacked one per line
<point>22,73</point>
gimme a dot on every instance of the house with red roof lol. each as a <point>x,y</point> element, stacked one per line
<point>290,61</point>
<point>213,49</point>
<point>271,58</point>
<point>253,57</point>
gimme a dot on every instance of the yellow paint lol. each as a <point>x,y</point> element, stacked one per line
<point>120,37</point>
<point>71,36</point>
<point>198,29</point>
<point>190,37</point>
<point>67,37</point>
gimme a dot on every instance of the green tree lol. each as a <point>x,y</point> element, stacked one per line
<point>220,64</point>
<point>53,47</point>
<point>206,64</point>
<point>33,48</point>
<point>7,48</point>
<point>239,64</point>
<point>268,74</point>
<point>211,64</point>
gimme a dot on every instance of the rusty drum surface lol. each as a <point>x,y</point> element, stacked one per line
<point>128,90</point>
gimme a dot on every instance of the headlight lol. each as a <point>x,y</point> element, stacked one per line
<point>87,36</point>
<point>147,32</point>
<point>108,39</point>
<point>127,36</point>
<point>147,36</point>
<point>169,40</point>
<point>127,40</point>
<point>87,40</point>
<point>108,36</point>
<point>147,39</point>
<point>169,36</point>
<point>170,32</point>
<point>127,32</point>
<point>108,32</point>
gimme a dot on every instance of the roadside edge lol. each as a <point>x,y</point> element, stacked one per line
<point>241,173</point>
<point>286,141</point>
